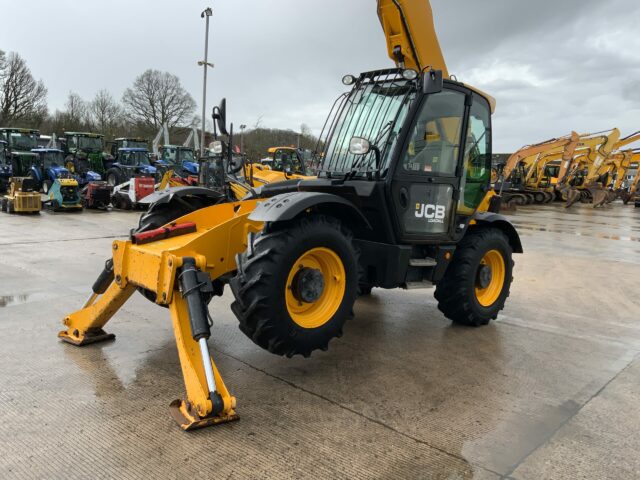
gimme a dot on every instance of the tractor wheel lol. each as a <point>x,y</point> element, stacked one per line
<point>3,205</point>
<point>10,207</point>
<point>114,177</point>
<point>46,186</point>
<point>296,285</point>
<point>476,283</point>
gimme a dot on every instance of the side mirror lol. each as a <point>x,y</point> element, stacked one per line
<point>359,146</point>
<point>432,81</point>
<point>216,147</point>
<point>220,116</point>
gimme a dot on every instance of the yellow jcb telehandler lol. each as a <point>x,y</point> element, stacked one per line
<point>402,199</point>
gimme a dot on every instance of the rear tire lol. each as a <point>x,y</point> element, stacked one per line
<point>46,186</point>
<point>460,294</point>
<point>114,177</point>
<point>271,276</point>
<point>3,205</point>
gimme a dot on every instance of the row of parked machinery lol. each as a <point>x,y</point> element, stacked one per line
<point>595,168</point>
<point>76,172</point>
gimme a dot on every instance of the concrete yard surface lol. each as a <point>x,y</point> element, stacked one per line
<point>549,390</point>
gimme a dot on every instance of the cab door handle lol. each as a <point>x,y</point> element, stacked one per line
<point>404,198</point>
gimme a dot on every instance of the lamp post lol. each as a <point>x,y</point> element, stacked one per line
<point>242,127</point>
<point>204,64</point>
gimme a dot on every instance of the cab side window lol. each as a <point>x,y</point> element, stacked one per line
<point>477,156</point>
<point>434,145</point>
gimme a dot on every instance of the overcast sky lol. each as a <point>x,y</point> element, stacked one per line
<point>553,65</point>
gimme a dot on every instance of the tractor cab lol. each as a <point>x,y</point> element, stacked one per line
<point>19,142</point>
<point>286,159</point>
<point>85,152</point>
<point>180,159</point>
<point>50,165</point>
<point>128,142</point>
<point>419,151</point>
<point>129,162</point>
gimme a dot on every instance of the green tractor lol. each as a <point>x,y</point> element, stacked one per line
<point>85,152</point>
<point>18,154</point>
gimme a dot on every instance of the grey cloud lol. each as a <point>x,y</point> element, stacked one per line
<point>553,65</point>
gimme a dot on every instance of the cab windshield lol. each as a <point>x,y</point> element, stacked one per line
<point>90,144</point>
<point>134,158</point>
<point>52,159</point>
<point>375,109</point>
<point>187,156</point>
<point>23,141</point>
<point>132,144</point>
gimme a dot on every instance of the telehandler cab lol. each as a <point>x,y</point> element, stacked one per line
<point>402,199</point>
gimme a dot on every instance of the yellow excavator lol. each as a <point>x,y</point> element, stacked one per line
<point>633,192</point>
<point>613,174</point>
<point>402,199</point>
<point>597,147</point>
<point>512,179</point>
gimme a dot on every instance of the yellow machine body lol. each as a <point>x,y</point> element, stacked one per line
<point>19,199</point>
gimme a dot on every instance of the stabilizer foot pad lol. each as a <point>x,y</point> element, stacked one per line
<point>188,419</point>
<point>90,336</point>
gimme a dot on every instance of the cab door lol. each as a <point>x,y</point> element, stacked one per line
<point>426,185</point>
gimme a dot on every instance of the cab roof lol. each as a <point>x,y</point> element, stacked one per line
<point>20,130</point>
<point>46,150</point>
<point>84,134</point>
<point>181,147</point>
<point>274,149</point>
<point>133,139</point>
<point>130,149</point>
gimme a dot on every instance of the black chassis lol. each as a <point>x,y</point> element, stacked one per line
<point>390,257</point>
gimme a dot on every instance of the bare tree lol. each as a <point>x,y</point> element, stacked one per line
<point>104,111</point>
<point>158,97</point>
<point>76,113</point>
<point>22,98</point>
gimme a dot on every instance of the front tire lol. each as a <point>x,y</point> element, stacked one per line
<point>476,283</point>
<point>296,285</point>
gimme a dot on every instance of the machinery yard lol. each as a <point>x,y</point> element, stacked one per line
<point>549,390</point>
<point>406,271</point>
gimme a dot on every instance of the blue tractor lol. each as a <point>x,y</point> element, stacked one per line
<point>128,163</point>
<point>50,166</point>
<point>181,160</point>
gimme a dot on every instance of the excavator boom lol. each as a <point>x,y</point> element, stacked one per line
<point>412,41</point>
<point>567,143</point>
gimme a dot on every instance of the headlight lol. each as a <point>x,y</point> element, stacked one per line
<point>348,80</point>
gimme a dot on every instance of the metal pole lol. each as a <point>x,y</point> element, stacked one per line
<point>204,85</point>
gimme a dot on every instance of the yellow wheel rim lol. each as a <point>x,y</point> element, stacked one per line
<point>488,295</point>
<point>319,312</point>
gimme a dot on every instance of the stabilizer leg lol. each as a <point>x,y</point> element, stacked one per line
<point>85,325</point>
<point>208,401</point>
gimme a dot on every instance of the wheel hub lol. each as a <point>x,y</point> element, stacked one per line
<point>483,279</point>
<point>308,285</point>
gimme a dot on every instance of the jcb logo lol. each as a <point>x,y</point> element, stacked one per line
<point>433,213</point>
